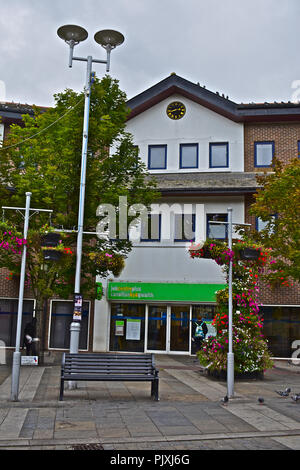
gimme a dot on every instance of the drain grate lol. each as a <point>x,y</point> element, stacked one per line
<point>87,447</point>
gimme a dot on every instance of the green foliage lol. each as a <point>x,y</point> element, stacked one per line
<point>43,156</point>
<point>277,203</point>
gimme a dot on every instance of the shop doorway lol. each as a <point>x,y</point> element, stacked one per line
<point>168,329</point>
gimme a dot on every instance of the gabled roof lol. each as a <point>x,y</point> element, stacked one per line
<point>261,112</point>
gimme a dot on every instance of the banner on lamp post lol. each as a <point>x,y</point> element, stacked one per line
<point>77,312</point>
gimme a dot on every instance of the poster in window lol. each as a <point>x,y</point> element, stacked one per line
<point>133,330</point>
<point>119,328</point>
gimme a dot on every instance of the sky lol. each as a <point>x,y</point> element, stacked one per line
<point>246,49</point>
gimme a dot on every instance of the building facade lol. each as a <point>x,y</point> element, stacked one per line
<point>204,151</point>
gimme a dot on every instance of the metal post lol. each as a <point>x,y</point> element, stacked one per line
<point>230,355</point>
<point>17,355</point>
<point>74,332</point>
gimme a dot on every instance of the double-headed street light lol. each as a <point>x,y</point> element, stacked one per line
<point>108,39</point>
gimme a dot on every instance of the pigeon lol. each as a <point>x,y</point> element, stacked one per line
<point>284,393</point>
<point>260,400</point>
<point>225,400</point>
<point>296,397</point>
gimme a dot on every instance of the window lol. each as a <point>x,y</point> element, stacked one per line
<point>157,157</point>
<point>188,156</point>
<point>61,319</point>
<point>127,327</point>
<point>184,229</point>
<point>151,228</point>
<point>218,155</point>
<point>8,319</point>
<point>263,153</point>
<point>261,225</point>
<point>216,231</point>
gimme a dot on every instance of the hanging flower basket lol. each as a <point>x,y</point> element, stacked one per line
<point>51,239</point>
<point>250,254</point>
<point>52,255</point>
<point>108,262</point>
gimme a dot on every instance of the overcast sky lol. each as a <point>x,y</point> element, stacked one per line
<point>247,49</point>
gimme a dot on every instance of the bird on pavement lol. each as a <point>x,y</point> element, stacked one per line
<point>260,400</point>
<point>284,393</point>
<point>296,397</point>
<point>225,400</point>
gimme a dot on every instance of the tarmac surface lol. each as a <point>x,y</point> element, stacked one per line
<point>121,416</point>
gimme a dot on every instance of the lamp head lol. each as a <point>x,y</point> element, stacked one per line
<point>108,38</point>
<point>71,32</point>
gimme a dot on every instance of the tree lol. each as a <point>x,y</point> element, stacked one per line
<point>277,203</point>
<point>44,157</point>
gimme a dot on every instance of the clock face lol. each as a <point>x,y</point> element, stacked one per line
<point>176,110</point>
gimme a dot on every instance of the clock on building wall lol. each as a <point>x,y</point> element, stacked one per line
<point>176,110</point>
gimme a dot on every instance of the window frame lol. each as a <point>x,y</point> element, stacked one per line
<point>263,142</point>
<point>219,144</point>
<point>225,224</point>
<point>159,230</point>
<point>193,228</point>
<point>164,146</point>
<point>181,146</point>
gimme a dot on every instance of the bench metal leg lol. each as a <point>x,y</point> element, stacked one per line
<point>154,389</point>
<point>61,392</point>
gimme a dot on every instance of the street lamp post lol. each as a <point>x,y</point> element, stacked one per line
<point>108,39</point>
<point>230,354</point>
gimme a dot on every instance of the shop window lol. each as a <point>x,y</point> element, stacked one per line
<point>151,228</point>
<point>157,157</point>
<point>263,153</point>
<point>184,229</point>
<point>188,156</point>
<point>127,327</point>
<point>61,319</point>
<point>218,155</point>
<point>216,231</point>
<point>8,319</point>
<point>281,329</point>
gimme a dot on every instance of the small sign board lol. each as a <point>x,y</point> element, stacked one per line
<point>119,330</point>
<point>77,312</point>
<point>29,360</point>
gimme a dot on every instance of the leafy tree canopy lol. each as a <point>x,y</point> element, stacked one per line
<point>43,156</point>
<point>277,204</point>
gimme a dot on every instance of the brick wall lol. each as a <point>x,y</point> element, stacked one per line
<point>285,136</point>
<point>279,296</point>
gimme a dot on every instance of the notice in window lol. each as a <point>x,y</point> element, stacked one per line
<point>133,330</point>
<point>119,330</point>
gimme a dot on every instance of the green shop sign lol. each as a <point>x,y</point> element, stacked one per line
<point>165,292</point>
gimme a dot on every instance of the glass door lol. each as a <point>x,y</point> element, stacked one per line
<point>157,328</point>
<point>179,328</point>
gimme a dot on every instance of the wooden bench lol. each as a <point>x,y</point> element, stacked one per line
<point>109,367</point>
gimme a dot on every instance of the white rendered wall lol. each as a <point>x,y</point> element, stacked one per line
<point>169,261</point>
<point>199,125</point>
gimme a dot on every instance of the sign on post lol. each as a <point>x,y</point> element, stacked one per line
<point>77,312</point>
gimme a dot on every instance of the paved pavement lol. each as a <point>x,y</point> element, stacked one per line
<point>122,416</point>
